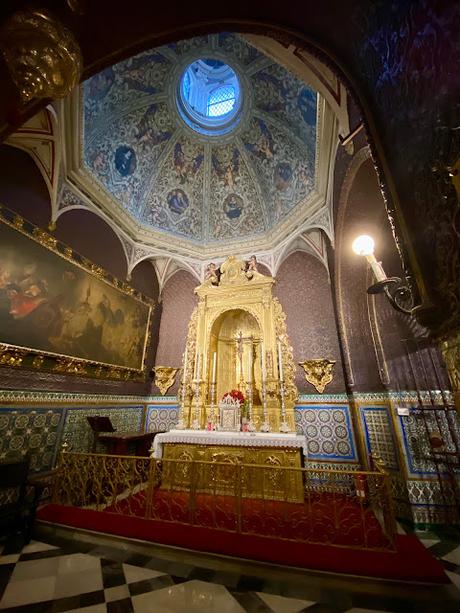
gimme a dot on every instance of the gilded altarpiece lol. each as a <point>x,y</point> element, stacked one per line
<point>234,320</point>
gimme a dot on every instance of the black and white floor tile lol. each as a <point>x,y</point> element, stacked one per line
<point>447,550</point>
<point>77,575</point>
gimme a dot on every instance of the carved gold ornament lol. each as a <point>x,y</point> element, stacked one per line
<point>42,55</point>
<point>318,372</point>
<point>11,357</point>
<point>165,377</point>
<point>451,353</point>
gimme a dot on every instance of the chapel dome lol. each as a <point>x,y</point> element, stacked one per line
<point>207,140</point>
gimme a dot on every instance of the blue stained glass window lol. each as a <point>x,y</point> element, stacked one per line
<point>186,85</point>
<point>221,101</point>
<point>209,96</point>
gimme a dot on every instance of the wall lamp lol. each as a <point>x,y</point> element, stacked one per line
<point>398,293</point>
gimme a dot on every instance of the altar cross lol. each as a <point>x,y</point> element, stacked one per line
<point>239,349</point>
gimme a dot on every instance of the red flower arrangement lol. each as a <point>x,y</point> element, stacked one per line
<point>236,395</point>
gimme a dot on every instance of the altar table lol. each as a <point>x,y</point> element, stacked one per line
<point>263,457</point>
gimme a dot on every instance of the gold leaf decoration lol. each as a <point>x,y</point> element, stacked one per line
<point>318,372</point>
<point>165,377</point>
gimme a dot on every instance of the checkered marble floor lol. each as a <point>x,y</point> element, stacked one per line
<point>73,575</point>
<point>447,550</point>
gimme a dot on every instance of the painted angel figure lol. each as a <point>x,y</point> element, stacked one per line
<point>211,277</point>
<point>251,268</point>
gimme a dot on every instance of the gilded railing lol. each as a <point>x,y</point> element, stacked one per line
<point>341,508</point>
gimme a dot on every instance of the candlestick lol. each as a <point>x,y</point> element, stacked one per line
<point>376,267</point>
<point>265,427</point>
<point>249,392</point>
<point>197,404</point>
<point>196,412</point>
<point>284,426</point>
<point>183,394</point>
<point>280,362</point>
<point>213,406</point>
<point>214,366</point>
<point>264,367</point>
<point>184,370</point>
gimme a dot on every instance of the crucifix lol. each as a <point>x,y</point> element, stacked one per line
<point>240,350</point>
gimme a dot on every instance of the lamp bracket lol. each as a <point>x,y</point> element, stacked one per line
<point>398,293</point>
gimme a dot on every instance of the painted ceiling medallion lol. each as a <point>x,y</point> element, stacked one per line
<point>206,139</point>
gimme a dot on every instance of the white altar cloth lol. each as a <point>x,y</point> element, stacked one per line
<point>236,439</point>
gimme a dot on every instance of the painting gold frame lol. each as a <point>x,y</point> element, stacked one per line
<point>19,356</point>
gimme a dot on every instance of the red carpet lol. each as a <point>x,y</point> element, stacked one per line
<point>323,518</point>
<point>411,561</point>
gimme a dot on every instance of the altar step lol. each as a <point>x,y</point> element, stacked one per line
<point>398,565</point>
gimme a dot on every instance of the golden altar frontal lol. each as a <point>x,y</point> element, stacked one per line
<point>238,464</point>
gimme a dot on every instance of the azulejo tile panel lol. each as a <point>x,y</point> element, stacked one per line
<point>161,418</point>
<point>328,430</point>
<point>378,434</point>
<point>34,430</point>
<point>78,434</point>
<point>414,431</point>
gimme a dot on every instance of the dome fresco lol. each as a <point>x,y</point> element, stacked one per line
<point>190,178</point>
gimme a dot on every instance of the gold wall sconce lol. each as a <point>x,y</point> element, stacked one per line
<point>318,372</point>
<point>165,377</point>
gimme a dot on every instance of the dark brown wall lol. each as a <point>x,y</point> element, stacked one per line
<point>22,187</point>
<point>364,211</point>
<point>303,289</point>
<point>178,302</point>
<point>385,334</point>
<point>90,236</point>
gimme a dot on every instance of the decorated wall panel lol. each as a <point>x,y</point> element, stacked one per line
<point>415,430</point>
<point>78,434</point>
<point>328,430</point>
<point>33,430</point>
<point>161,417</point>
<point>378,434</point>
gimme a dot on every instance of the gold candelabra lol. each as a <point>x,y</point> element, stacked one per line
<point>284,426</point>
<point>181,425</point>
<point>265,427</point>
<point>213,393</point>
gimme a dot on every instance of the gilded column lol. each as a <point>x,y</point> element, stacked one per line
<point>450,349</point>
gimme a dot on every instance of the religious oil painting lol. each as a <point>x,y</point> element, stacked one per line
<point>52,305</point>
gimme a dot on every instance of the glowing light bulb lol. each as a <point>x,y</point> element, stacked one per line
<point>363,245</point>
